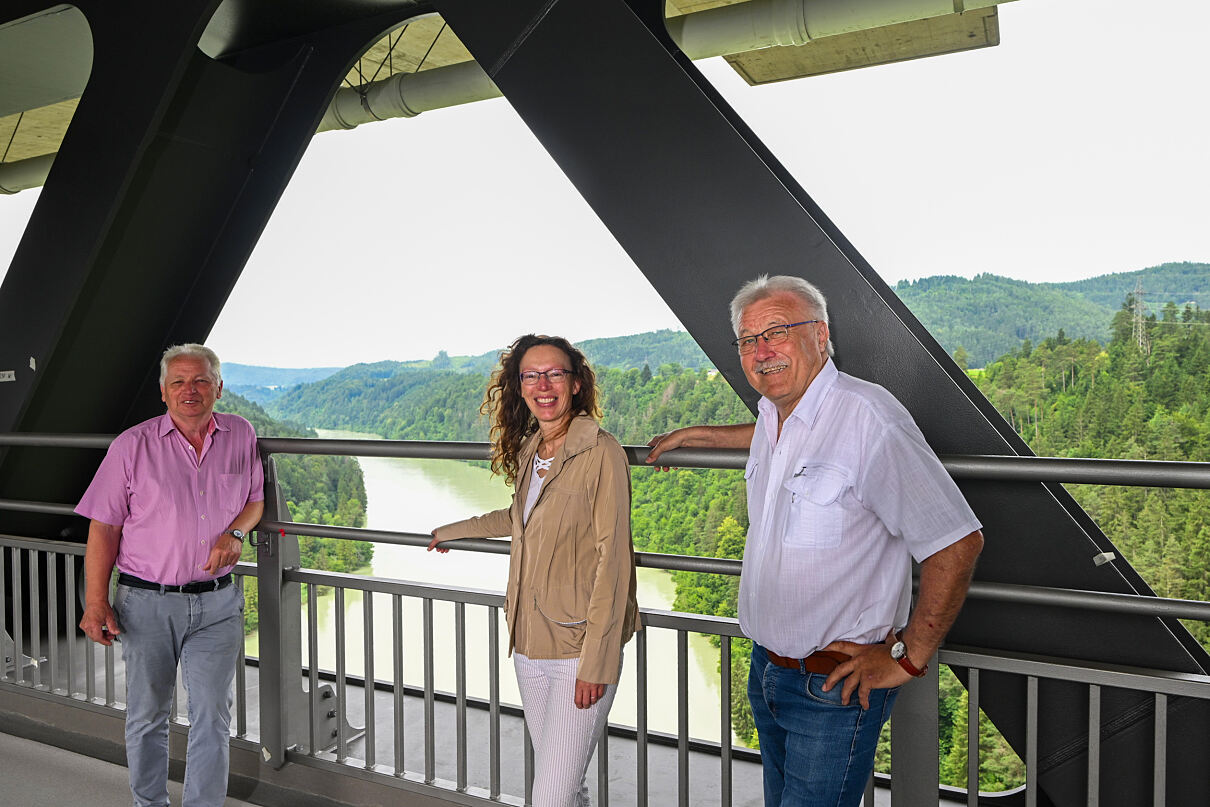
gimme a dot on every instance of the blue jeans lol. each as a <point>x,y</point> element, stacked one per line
<point>202,632</point>
<point>816,752</point>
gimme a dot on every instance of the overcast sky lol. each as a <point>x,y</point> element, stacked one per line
<point>1075,148</point>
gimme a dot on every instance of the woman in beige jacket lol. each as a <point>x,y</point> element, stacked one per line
<point>571,582</point>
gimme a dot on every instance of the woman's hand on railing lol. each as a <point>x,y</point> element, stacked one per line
<point>435,544</point>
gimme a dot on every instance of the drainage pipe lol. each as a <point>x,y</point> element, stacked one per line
<point>720,31</point>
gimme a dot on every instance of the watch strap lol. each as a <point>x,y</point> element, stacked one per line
<point>906,663</point>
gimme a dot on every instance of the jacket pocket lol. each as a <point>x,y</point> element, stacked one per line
<point>560,607</point>
<point>817,516</point>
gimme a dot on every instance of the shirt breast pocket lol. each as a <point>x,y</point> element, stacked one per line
<point>817,515</point>
<point>233,489</point>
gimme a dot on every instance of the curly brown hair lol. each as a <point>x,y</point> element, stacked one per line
<point>512,421</point>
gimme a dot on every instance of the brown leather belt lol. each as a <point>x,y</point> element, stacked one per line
<point>821,661</point>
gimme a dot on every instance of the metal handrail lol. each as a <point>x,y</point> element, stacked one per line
<point>1005,468</point>
<point>1148,473</point>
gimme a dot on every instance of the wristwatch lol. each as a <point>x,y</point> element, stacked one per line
<point>899,653</point>
<point>236,532</point>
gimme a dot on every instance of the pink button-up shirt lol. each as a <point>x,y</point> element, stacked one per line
<point>171,505</point>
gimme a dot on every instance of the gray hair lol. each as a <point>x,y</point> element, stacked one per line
<point>763,287</point>
<point>191,350</point>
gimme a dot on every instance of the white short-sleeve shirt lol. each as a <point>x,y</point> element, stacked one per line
<point>837,507</point>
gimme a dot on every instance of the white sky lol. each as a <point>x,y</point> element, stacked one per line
<point>1075,148</point>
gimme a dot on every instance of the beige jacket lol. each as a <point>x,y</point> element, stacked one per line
<point>571,580</point>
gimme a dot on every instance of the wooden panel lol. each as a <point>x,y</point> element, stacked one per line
<point>891,43</point>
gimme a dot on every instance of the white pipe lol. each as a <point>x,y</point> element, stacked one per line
<point>759,24</point>
<point>406,95</point>
<point>721,31</point>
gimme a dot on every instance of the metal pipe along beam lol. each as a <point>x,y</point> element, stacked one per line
<point>721,31</point>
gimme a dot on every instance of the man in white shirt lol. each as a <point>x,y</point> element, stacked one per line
<point>843,491</point>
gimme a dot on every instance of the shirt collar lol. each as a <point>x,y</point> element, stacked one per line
<point>808,406</point>
<point>167,425</point>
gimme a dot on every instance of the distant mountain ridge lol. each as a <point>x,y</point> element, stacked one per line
<point>239,375</point>
<point>989,316</point>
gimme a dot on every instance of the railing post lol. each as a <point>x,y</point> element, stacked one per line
<point>278,618</point>
<point>915,777</point>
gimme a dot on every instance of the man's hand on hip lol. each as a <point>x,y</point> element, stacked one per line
<point>871,667</point>
<point>100,623</point>
<point>225,552</point>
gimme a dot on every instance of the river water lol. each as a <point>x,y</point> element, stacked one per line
<point>418,495</point>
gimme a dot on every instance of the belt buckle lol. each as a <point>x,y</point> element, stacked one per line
<point>215,581</point>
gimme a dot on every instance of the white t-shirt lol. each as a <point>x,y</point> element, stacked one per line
<point>535,486</point>
<point>837,507</point>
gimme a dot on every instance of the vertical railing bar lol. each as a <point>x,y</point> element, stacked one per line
<point>724,728</point>
<point>110,696</point>
<point>342,693</point>
<point>972,739</point>
<point>868,795</point>
<point>69,620</point>
<point>35,614</point>
<point>90,669</point>
<point>52,617</point>
<point>1159,786</point>
<point>367,645</point>
<point>241,675</point>
<point>493,682</point>
<point>460,691</point>
<point>1094,745</point>
<point>313,668</point>
<point>430,736</point>
<point>682,717</point>
<point>18,632</point>
<point>4,566</point>
<point>640,647</point>
<point>1031,741</point>
<point>529,768</point>
<point>603,764</point>
<point>397,690</point>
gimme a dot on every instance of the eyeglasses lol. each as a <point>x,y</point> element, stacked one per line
<point>556,376</point>
<point>772,336</point>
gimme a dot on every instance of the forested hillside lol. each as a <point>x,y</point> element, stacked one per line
<point>414,400</point>
<point>1132,401</point>
<point>318,490</point>
<point>988,316</point>
<point>1179,282</point>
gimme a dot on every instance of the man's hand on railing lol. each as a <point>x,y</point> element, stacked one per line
<point>738,435</point>
<point>100,623</point>
<point>433,544</point>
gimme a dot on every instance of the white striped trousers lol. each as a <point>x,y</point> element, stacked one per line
<point>563,736</point>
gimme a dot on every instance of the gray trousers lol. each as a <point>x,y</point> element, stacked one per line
<point>203,633</point>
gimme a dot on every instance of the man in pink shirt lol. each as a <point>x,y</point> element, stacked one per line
<point>170,507</point>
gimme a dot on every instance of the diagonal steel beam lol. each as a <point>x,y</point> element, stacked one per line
<point>701,205</point>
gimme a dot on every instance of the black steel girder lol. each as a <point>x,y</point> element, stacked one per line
<point>165,179</point>
<point>701,206</point>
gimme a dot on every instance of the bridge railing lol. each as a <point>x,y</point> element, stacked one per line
<point>314,724</point>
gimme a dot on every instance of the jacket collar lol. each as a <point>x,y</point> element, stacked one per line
<point>581,436</point>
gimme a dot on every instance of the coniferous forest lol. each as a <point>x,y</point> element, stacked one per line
<point>1144,394</point>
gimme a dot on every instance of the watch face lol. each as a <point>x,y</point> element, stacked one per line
<point>238,534</point>
<point>898,650</point>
